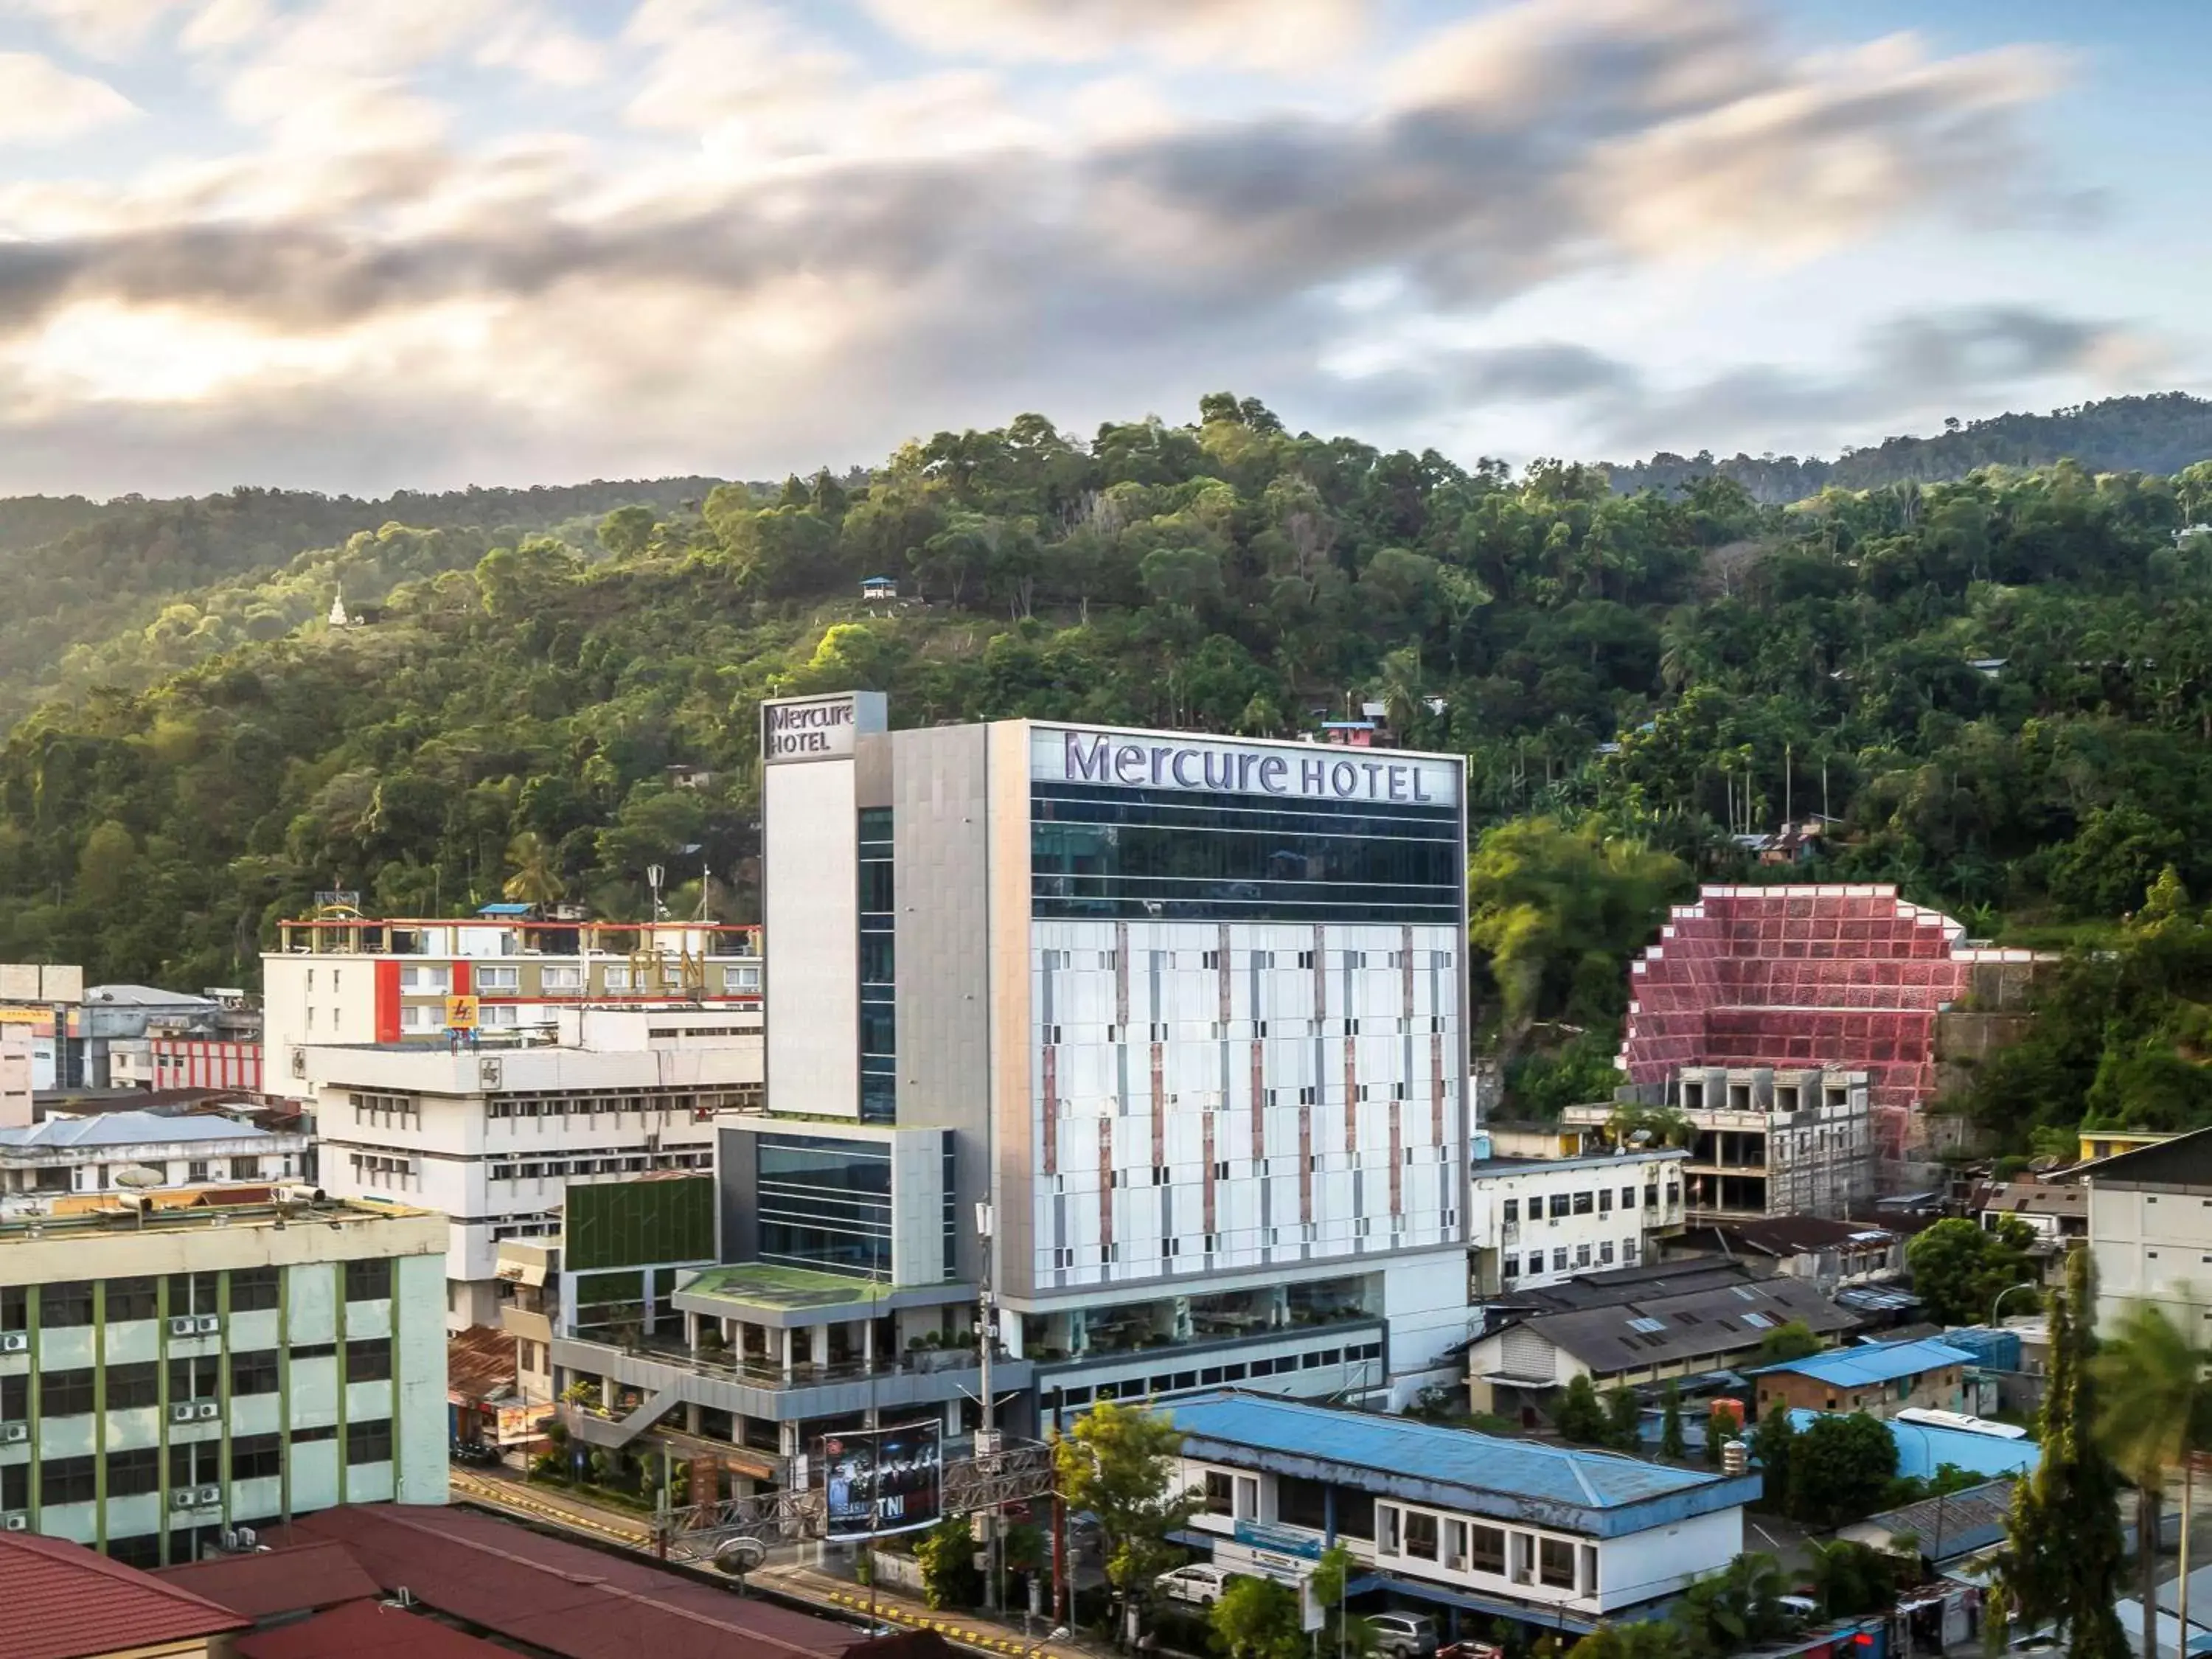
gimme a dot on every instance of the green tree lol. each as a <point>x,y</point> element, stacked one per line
<point>1771,1444</point>
<point>1646,1639</point>
<point>1554,911</point>
<point>1735,1608</point>
<point>1785,1342</point>
<point>1960,1268</point>
<point>627,531</point>
<point>1119,1464</point>
<point>1848,1578</point>
<point>536,877</point>
<point>1340,1631</point>
<point>1840,1468</point>
<point>2152,1398</point>
<point>1672,1442</point>
<point>946,1555</point>
<point>2063,1552</point>
<point>1623,1419</point>
<point>1578,1415</point>
<point>1257,1619</point>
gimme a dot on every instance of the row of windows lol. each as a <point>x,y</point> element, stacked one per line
<point>1215,1030</point>
<point>252,1457</point>
<point>133,1386</point>
<point>878,1023</point>
<point>1069,1257</point>
<point>1138,1102</point>
<point>1168,1174</point>
<point>556,1168</point>
<point>1210,1377</point>
<point>1059,961</point>
<point>1581,1257</point>
<point>1585,1203</point>
<point>643,1104</point>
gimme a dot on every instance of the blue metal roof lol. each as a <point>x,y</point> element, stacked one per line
<point>1879,1362</point>
<point>1923,1448</point>
<point>506,909</point>
<point>1572,1488</point>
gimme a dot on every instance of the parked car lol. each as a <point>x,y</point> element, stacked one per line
<point>1403,1635</point>
<point>1199,1584</point>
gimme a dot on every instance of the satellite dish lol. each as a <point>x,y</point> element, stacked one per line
<point>138,1177</point>
<point>740,1556</point>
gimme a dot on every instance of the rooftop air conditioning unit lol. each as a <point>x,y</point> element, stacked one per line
<point>15,1522</point>
<point>183,1499</point>
<point>210,1410</point>
<point>183,1325</point>
<point>15,1341</point>
<point>210,1494</point>
<point>248,1538</point>
<point>14,1434</point>
<point>209,1324</point>
<point>183,1414</point>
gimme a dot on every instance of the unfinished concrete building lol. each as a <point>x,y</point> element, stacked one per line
<point>1837,975</point>
<point>1767,1141</point>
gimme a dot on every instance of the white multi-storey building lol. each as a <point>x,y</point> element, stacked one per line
<point>1186,1014</point>
<point>495,1136</point>
<point>1533,1222</point>
<point>341,977</point>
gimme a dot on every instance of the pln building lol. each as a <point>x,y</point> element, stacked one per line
<point>1182,1016</point>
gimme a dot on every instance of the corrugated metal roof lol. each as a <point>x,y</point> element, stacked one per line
<point>127,1129</point>
<point>1877,1362</point>
<point>367,1630</point>
<point>1731,1317</point>
<point>64,1601</point>
<point>564,1598</point>
<point>298,1580</point>
<point>1573,1487</point>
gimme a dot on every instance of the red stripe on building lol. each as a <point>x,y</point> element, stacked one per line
<point>1051,1111</point>
<point>387,1001</point>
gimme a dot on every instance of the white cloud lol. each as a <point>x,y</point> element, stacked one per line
<point>222,23</point>
<point>544,52</point>
<point>99,29</point>
<point>779,259</point>
<point>1265,35</point>
<point>41,103</point>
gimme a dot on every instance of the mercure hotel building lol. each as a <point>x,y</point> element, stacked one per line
<point>1186,1012</point>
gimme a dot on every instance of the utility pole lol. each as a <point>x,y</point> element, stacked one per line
<point>987,1429</point>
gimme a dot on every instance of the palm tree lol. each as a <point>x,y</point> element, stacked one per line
<point>2152,1384</point>
<point>1734,1607</point>
<point>537,879</point>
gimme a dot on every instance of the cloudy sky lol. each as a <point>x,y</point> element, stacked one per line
<point>362,244</point>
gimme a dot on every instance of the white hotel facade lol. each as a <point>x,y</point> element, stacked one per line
<point>1186,1012</point>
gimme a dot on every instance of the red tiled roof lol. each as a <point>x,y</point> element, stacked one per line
<point>367,1630</point>
<point>571,1601</point>
<point>479,1363</point>
<point>283,1581</point>
<point>65,1601</point>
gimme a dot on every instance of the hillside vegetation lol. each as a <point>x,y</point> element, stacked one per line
<point>1999,689</point>
<point>96,590</point>
<point>2162,432</point>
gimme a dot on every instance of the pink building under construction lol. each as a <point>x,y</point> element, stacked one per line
<point>1790,975</point>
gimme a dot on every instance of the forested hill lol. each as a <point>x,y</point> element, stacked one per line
<point>79,573</point>
<point>2163,433</point>
<point>1999,689</point>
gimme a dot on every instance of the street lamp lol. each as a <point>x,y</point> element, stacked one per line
<point>2024,1285</point>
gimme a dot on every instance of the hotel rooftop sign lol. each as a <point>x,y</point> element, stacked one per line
<point>1136,760</point>
<point>818,728</point>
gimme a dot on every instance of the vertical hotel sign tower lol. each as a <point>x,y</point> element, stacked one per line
<point>811,795</point>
